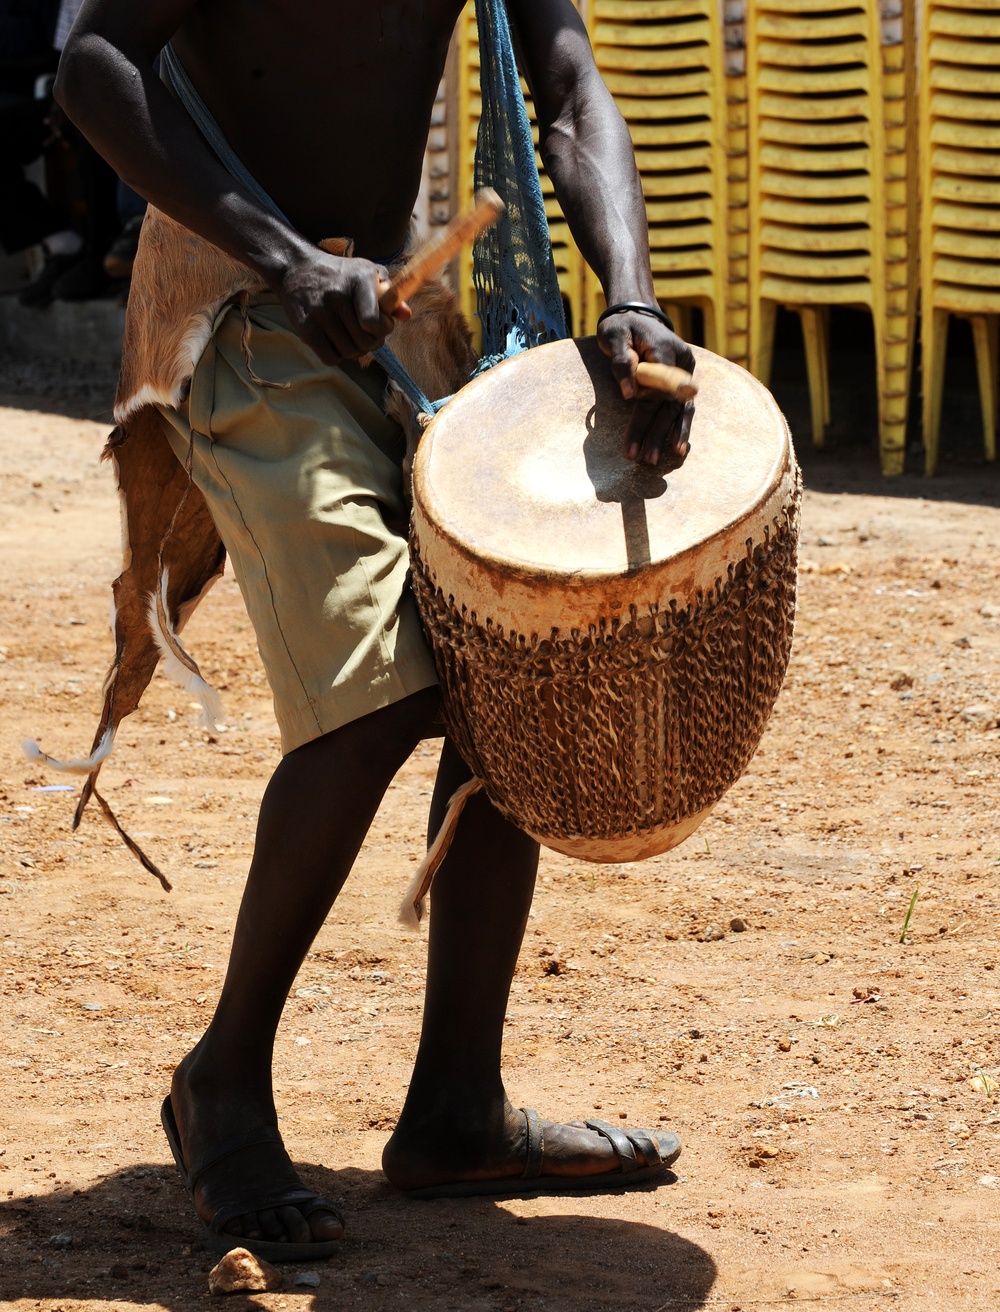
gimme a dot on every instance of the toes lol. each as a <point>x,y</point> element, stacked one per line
<point>286,1225</point>
<point>271,1224</point>
<point>294,1225</point>
<point>325,1226</point>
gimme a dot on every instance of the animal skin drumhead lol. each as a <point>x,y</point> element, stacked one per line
<point>525,468</point>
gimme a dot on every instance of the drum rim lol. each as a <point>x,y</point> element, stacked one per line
<point>522,571</point>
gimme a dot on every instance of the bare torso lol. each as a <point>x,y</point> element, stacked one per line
<point>327,104</point>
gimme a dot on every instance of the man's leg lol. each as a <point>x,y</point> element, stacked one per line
<point>314,817</point>
<point>457,1122</point>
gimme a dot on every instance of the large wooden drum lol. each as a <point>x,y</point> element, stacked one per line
<point>610,638</point>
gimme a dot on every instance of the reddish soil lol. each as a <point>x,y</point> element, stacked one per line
<point>836,1089</point>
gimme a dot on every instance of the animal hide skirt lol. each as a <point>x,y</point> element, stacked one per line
<point>232,435</point>
<point>304,481</point>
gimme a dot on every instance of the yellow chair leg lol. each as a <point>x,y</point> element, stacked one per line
<point>762,340</point>
<point>681,317</point>
<point>814,337</point>
<point>711,327</point>
<point>935,346</point>
<point>825,325</point>
<point>986,337</point>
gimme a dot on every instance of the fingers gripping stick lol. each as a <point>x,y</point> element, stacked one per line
<point>666,378</point>
<point>435,254</point>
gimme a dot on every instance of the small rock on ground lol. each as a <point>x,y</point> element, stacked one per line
<point>981,713</point>
<point>239,1272</point>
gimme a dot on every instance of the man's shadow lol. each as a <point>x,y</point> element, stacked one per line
<point>132,1238</point>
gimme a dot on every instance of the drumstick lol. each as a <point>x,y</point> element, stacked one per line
<point>666,378</point>
<point>434,254</point>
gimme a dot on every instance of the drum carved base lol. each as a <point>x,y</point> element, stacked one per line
<point>613,742</point>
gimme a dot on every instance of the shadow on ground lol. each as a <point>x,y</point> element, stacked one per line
<point>131,1238</point>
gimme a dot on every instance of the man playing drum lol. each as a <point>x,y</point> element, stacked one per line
<point>328,106</point>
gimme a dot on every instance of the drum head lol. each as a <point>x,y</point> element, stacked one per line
<point>526,466</point>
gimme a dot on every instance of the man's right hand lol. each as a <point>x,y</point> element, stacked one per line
<point>332,303</point>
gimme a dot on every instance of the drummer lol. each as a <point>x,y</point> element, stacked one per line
<point>328,105</point>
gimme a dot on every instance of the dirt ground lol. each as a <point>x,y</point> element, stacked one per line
<point>836,1090</point>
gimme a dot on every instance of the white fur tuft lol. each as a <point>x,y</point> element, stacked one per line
<point>149,394</point>
<point>408,911</point>
<point>177,664</point>
<point>412,911</point>
<point>199,333</point>
<point>86,765</point>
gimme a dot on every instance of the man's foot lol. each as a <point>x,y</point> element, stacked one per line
<point>520,1152</point>
<point>241,1179</point>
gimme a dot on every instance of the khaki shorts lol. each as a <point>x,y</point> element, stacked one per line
<point>305,485</point>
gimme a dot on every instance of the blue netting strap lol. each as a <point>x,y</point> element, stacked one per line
<point>398,374</point>
<point>517,287</point>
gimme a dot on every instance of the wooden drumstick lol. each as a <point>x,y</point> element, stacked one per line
<point>666,378</point>
<point>434,254</point>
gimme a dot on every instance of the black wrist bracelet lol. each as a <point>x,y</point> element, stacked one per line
<point>638,307</point>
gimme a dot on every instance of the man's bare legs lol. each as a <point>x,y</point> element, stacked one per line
<point>314,817</point>
<point>457,1122</point>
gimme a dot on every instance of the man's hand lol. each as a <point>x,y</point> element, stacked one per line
<point>658,424</point>
<point>332,303</point>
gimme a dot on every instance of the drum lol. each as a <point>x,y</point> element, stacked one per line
<point>610,637</point>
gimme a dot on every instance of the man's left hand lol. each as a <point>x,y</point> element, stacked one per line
<point>658,424</point>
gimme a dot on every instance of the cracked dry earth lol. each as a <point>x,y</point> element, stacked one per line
<point>836,1090</point>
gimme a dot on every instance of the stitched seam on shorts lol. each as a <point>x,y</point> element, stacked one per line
<point>270,590</point>
<point>377,609</point>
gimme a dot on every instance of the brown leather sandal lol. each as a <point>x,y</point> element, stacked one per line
<point>659,1149</point>
<point>304,1200</point>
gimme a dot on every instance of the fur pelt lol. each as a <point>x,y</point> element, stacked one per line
<point>172,553</point>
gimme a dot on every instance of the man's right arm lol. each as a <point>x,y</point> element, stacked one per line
<point>108,85</point>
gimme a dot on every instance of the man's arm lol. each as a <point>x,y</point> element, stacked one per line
<point>588,154</point>
<point>108,85</point>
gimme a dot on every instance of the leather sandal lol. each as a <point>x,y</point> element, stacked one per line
<point>659,1149</point>
<point>302,1199</point>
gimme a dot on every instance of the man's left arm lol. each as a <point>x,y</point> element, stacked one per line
<point>587,152</point>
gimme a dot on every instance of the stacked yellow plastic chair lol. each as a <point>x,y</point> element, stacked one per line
<point>738,217</point>
<point>568,260</point>
<point>663,61</point>
<point>830,188</point>
<point>960,223</point>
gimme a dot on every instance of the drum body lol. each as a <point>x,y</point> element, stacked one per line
<point>610,638</point>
